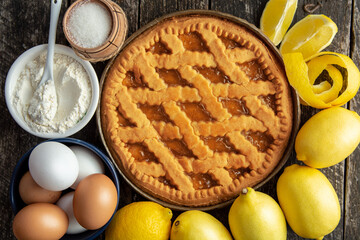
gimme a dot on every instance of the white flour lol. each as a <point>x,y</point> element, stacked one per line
<point>43,104</point>
<point>73,92</point>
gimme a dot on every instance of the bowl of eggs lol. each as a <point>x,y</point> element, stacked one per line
<point>63,189</point>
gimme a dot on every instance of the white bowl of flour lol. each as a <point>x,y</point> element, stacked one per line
<point>77,90</point>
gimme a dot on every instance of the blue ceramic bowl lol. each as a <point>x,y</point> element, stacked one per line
<point>22,167</point>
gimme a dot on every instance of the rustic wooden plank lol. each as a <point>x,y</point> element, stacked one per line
<point>352,184</point>
<point>149,10</point>
<point>131,9</point>
<point>250,10</point>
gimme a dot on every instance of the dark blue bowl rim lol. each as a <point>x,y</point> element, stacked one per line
<point>90,234</point>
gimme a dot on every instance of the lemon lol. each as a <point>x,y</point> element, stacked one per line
<point>328,137</point>
<point>140,221</point>
<point>256,215</point>
<point>309,36</point>
<point>276,18</point>
<point>194,224</point>
<point>309,201</point>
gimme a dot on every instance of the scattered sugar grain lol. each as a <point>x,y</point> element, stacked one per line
<point>89,25</point>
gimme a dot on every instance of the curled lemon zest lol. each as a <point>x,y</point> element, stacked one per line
<point>336,91</point>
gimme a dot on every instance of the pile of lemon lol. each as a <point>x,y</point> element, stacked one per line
<point>308,201</point>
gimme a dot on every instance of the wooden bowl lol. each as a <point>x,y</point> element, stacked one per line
<point>115,40</point>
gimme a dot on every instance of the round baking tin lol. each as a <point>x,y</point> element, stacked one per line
<point>269,44</point>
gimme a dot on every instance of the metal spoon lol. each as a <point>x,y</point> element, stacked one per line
<point>43,104</point>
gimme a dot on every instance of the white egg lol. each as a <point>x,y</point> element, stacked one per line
<point>53,166</point>
<point>89,163</point>
<point>66,204</point>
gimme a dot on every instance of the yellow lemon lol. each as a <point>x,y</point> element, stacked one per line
<point>276,18</point>
<point>309,201</point>
<point>328,137</point>
<point>256,215</point>
<point>191,225</point>
<point>309,36</point>
<point>140,220</point>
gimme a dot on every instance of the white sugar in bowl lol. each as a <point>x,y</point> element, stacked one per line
<point>95,29</point>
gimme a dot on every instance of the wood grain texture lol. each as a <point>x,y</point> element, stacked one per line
<point>150,10</point>
<point>352,187</point>
<point>131,9</point>
<point>24,24</point>
<point>250,10</point>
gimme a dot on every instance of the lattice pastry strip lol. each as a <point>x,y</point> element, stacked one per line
<point>237,91</point>
<point>127,134</point>
<point>150,169</point>
<point>167,130</point>
<point>252,154</point>
<point>218,50</point>
<point>148,73</point>
<point>181,59</point>
<point>240,55</point>
<point>173,168</point>
<point>219,160</point>
<point>173,43</point>
<point>182,121</point>
<point>233,124</point>
<point>212,105</point>
<point>222,176</point>
<point>176,94</point>
<point>130,110</point>
<point>264,114</point>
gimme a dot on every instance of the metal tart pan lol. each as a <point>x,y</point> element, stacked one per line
<point>269,44</point>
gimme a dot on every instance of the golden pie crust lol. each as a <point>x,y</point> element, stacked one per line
<point>195,109</point>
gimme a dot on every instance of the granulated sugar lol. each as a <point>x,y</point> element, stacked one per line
<point>89,24</point>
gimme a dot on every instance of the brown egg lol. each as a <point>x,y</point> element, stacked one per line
<point>94,201</point>
<point>31,192</point>
<point>40,221</point>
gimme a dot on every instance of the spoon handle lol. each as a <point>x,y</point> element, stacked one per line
<point>54,16</point>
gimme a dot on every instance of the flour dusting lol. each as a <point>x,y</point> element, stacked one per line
<point>72,91</point>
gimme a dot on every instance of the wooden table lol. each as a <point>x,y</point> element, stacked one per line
<point>24,24</point>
